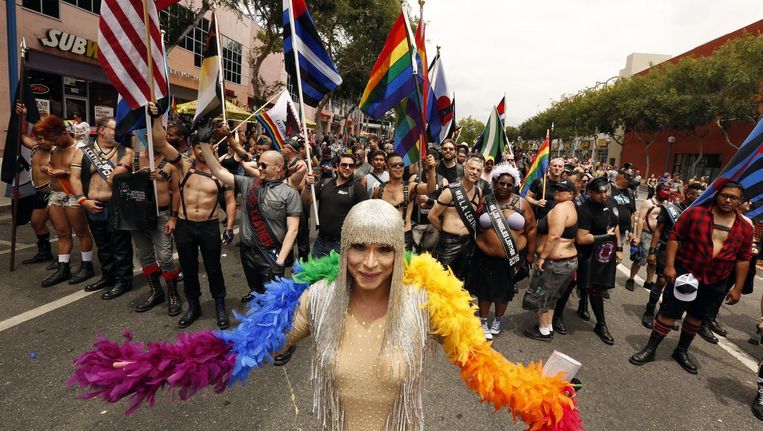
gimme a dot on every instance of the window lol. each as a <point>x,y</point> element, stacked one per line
<point>45,7</point>
<point>291,86</point>
<point>231,60</point>
<point>89,5</point>
<point>174,19</point>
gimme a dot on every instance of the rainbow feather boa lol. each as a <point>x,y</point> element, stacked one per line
<point>218,359</point>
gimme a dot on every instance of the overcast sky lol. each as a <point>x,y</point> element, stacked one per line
<point>536,50</point>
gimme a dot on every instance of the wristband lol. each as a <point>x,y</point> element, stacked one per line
<point>618,249</point>
<point>176,159</point>
<point>430,201</point>
<point>173,214</point>
<point>79,196</point>
<point>81,200</point>
<point>652,250</point>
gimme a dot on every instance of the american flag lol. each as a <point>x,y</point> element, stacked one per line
<point>122,49</point>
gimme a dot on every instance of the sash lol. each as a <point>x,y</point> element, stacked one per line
<point>263,235</point>
<point>673,212</point>
<point>103,167</point>
<point>501,229</point>
<point>464,208</point>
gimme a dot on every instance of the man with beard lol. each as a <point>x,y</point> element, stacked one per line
<point>455,215</point>
<point>90,170</point>
<point>448,166</point>
<point>378,173</point>
<point>543,202</point>
<point>398,193</point>
<point>707,243</point>
<point>336,196</point>
<point>657,254</point>
<point>177,136</point>
<point>197,228</point>
<point>645,227</point>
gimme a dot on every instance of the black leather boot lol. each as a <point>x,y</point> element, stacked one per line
<point>193,313</point>
<point>118,290</point>
<point>706,334</point>
<point>222,314</point>
<point>714,326</point>
<point>51,266</point>
<point>601,330</point>
<point>647,353</point>
<point>85,272</point>
<point>583,307</point>
<point>44,253</point>
<point>680,356</point>
<point>559,326</point>
<point>100,284</point>
<point>757,402</point>
<point>63,273</point>
<point>174,305</point>
<point>648,318</point>
<point>155,294</point>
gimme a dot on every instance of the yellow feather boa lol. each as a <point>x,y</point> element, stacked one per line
<point>543,403</point>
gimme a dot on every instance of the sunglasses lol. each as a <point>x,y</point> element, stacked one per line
<point>262,165</point>
<point>347,165</point>
<point>396,165</point>
<point>449,149</point>
<point>504,184</point>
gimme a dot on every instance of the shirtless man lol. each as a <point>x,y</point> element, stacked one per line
<point>64,210</point>
<point>155,246</point>
<point>296,169</point>
<point>646,222</point>
<point>41,180</point>
<point>399,194</point>
<point>90,168</point>
<point>456,238</point>
<point>197,227</point>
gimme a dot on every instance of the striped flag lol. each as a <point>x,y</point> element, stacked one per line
<point>211,99</point>
<point>539,167</point>
<point>441,117</point>
<point>746,168</point>
<point>408,130</point>
<point>393,76</point>
<point>502,110</point>
<point>317,70</point>
<point>493,138</point>
<point>122,49</point>
<point>281,121</point>
<point>427,98</point>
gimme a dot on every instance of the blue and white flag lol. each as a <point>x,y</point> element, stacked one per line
<point>317,70</point>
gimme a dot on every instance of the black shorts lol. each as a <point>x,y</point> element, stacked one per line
<point>709,297</point>
<point>661,257</point>
<point>40,200</point>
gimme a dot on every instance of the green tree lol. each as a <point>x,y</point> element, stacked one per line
<point>469,130</point>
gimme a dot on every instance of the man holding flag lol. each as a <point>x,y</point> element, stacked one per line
<point>539,193</point>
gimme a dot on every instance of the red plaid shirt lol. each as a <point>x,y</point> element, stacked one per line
<point>694,230</point>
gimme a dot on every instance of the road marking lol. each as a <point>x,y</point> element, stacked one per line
<point>61,302</point>
<point>734,350</point>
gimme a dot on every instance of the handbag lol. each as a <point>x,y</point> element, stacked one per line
<point>133,202</point>
<point>533,297</point>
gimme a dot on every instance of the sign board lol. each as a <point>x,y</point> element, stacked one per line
<point>103,111</point>
<point>66,42</point>
<point>43,105</point>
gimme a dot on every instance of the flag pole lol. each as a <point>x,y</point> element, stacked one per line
<point>149,122</point>
<point>506,117</point>
<point>249,117</point>
<point>15,190</point>
<point>545,172</point>
<point>221,75</point>
<point>295,50</point>
<point>422,133</point>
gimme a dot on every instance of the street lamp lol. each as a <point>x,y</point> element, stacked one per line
<point>671,141</point>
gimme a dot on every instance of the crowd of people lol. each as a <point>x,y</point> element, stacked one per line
<point>566,236</point>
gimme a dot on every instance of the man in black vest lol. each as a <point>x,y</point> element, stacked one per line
<point>336,197</point>
<point>455,215</point>
<point>90,169</point>
<point>448,166</point>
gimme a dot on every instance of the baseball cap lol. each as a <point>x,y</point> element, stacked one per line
<point>294,143</point>
<point>489,159</point>
<point>564,185</point>
<point>685,288</point>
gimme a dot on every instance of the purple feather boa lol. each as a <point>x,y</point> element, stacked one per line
<point>193,362</point>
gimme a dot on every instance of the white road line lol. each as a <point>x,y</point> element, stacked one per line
<point>734,350</point>
<point>58,303</point>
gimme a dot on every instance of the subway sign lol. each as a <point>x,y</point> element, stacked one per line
<point>70,43</point>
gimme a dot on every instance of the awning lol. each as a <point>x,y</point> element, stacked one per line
<point>232,111</point>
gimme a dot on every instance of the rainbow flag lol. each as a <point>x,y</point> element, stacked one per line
<point>539,166</point>
<point>392,78</point>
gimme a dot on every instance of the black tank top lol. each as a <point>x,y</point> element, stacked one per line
<point>569,232</point>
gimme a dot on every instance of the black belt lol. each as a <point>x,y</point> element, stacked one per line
<point>328,238</point>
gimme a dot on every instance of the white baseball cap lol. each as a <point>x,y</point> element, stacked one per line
<point>685,287</point>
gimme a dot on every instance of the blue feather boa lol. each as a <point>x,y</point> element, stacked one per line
<point>270,316</point>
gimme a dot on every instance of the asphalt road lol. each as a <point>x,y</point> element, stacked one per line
<point>43,330</point>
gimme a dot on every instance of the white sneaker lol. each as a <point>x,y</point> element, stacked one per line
<point>488,334</point>
<point>495,328</point>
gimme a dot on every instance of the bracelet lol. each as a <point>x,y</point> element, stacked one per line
<point>176,159</point>
<point>173,214</point>
<point>652,250</point>
<point>618,249</point>
<point>81,200</point>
